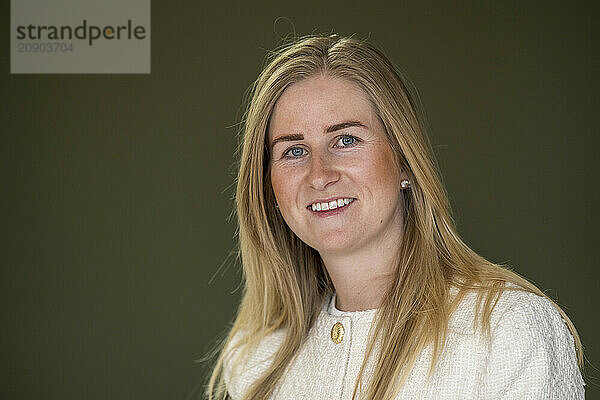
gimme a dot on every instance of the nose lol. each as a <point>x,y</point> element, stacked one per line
<point>322,172</point>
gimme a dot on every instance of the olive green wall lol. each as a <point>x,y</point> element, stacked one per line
<point>116,189</point>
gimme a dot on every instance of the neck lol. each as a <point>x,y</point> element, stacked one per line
<point>361,278</point>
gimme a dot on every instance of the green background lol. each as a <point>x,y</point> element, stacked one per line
<point>116,189</point>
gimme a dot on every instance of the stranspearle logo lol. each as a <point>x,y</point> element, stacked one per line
<point>82,32</point>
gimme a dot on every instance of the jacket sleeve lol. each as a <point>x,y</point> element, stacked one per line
<point>532,354</point>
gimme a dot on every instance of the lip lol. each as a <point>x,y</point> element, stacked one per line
<point>335,211</point>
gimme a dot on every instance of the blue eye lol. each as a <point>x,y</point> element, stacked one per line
<point>347,141</point>
<point>294,152</point>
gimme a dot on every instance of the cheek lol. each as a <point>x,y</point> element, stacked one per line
<point>382,170</point>
<point>283,184</point>
<point>384,179</point>
<point>276,183</point>
<point>285,189</point>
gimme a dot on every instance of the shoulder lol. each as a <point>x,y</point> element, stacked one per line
<point>514,308</point>
<point>528,311</point>
<point>532,352</point>
<point>529,352</point>
<point>525,315</point>
<point>243,363</point>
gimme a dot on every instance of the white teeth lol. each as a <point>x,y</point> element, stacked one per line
<point>331,205</point>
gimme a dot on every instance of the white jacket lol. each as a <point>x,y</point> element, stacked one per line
<point>531,356</point>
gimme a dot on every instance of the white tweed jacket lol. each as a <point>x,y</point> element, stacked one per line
<point>531,355</point>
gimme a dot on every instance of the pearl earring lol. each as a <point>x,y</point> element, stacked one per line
<point>404,183</point>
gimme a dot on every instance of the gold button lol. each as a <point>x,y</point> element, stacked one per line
<point>337,332</point>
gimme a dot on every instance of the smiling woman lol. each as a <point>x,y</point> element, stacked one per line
<point>357,284</point>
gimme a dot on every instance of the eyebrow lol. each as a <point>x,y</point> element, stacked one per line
<point>329,129</point>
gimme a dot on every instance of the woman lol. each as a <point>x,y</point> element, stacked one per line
<point>357,285</point>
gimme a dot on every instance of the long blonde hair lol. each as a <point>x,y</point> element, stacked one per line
<point>285,281</point>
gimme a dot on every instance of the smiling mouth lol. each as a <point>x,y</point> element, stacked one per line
<point>329,207</point>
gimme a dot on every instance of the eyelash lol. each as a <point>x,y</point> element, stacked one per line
<point>356,141</point>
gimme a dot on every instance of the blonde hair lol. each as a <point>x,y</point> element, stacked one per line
<point>285,281</point>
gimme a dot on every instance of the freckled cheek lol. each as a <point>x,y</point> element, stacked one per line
<point>382,171</point>
<point>383,178</point>
<point>284,186</point>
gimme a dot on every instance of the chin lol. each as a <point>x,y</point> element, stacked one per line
<point>333,244</point>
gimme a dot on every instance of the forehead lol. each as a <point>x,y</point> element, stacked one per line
<point>319,101</point>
